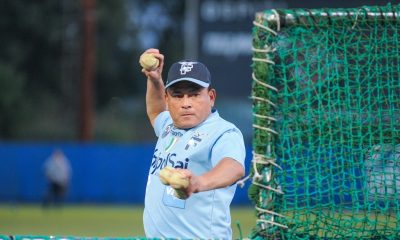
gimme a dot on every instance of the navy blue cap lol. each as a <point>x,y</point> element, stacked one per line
<point>191,71</point>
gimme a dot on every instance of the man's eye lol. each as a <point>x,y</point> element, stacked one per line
<point>194,94</point>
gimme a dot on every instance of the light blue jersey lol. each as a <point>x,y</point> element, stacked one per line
<point>203,215</point>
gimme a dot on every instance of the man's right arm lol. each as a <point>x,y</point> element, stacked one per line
<point>155,93</point>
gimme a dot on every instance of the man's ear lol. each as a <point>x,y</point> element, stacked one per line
<point>212,93</point>
<point>166,93</point>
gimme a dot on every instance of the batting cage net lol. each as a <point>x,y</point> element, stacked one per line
<point>326,104</point>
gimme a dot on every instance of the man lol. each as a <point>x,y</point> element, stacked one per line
<point>58,173</point>
<point>193,138</point>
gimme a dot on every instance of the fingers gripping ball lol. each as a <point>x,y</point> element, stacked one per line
<point>148,61</point>
<point>175,179</point>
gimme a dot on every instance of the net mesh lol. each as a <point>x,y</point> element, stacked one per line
<point>326,105</point>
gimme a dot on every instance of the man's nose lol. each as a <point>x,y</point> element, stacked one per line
<point>186,102</point>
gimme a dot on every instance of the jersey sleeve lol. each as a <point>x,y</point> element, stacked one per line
<point>160,122</point>
<point>230,144</point>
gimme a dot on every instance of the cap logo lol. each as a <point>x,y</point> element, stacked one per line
<point>186,67</point>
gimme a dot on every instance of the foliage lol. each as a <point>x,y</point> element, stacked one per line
<point>41,62</point>
<point>11,93</point>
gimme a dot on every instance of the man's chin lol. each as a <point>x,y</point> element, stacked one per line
<point>186,125</point>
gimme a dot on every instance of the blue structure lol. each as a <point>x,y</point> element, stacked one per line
<point>101,173</point>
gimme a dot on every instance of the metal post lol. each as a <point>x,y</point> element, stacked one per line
<point>191,30</point>
<point>86,112</point>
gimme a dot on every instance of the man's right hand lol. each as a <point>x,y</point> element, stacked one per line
<point>155,93</point>
<point>155,75</point>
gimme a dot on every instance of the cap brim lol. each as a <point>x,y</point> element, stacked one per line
<point>193,80</point>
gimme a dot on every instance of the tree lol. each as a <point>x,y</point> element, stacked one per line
<point>41,59</point>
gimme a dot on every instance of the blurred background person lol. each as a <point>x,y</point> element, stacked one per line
<point>58,174</point>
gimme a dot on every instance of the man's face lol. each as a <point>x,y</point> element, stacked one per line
<point>189,104</point>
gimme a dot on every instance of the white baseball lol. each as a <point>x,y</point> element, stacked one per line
<point>148,61</point>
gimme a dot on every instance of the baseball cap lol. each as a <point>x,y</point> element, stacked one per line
<point>191,71</point>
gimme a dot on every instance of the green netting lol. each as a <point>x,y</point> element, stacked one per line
<point>326,104</point>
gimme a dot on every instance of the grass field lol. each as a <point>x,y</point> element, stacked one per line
<point>92,220</point>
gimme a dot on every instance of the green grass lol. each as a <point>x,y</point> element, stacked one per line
<point>92,220</point>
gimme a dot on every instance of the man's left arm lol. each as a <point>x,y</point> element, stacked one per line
<point>227,172</point>
<point>228,155</point>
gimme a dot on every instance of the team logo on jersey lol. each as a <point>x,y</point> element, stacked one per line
<point>186,67</point>
<point>194,140</point>
<point>167,130</point>
<point>171,129</point>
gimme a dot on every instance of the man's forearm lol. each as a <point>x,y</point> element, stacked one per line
<point>226,173</point>
<point>155,98</point>
<point>155,93</point>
